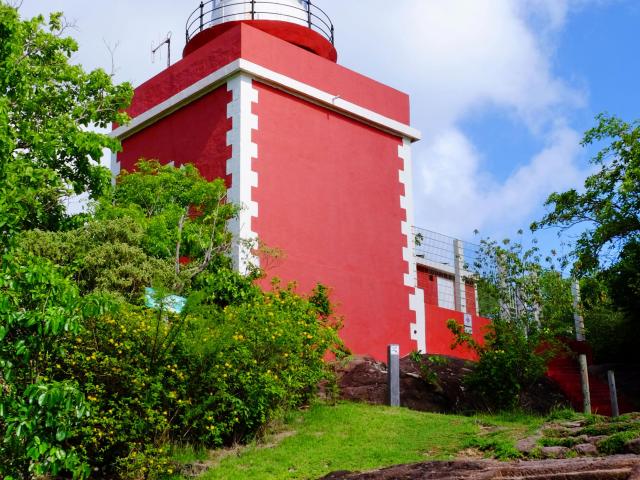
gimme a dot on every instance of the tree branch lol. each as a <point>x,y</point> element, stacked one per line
<point>183,218</point>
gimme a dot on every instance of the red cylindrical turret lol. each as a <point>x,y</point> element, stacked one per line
<point>299,22</point>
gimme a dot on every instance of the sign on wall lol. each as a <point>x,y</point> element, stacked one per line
<point>468,323</point>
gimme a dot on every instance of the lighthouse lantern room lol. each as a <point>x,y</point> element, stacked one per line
<point>317,156</point>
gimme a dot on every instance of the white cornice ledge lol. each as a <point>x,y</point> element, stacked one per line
<point>214,80</point>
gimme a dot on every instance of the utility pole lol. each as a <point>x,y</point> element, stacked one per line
<point>460,294</point>
<point>580,337</point>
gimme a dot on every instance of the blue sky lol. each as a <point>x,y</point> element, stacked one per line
<point>501,89</point>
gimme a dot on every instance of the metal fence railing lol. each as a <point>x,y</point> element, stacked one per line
<point>301,12</point>
<point>444,251</point>
<point>454,264</point>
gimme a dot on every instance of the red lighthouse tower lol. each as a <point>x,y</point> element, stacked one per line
<point>318,156</point>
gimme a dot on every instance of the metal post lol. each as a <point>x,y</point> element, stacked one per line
<point>613,394</point>
<point>168,52</point>
<point>253,9</point>
<point>393,374</point>
<point>309,13</point>
<point>536,304</point>
<point>460,293</point>
<point>201,16</point>
<point>578,320</point>
<point>584,380</point>
<point>505,310</point>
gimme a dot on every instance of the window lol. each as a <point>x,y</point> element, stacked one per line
<point>445,293</point>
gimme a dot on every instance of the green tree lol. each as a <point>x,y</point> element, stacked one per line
<point>48,111</point>
<point>48,150</point>
<point>608,250</point>
<point>160,226</point>
<point>610,202</point>
<point>529,304</point>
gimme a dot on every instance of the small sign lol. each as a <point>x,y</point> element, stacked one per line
<point>468,323</point>
<point>171,303</point>
<point>394,349</point>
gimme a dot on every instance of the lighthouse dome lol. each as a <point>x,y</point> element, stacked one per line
<point>293,11</point>
<point>300,22</point>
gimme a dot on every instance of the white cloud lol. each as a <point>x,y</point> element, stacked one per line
<point>460,59</point>
<point>457,58</point>
<point>454,182</point>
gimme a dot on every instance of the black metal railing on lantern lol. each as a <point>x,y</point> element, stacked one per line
<point>213,12</point>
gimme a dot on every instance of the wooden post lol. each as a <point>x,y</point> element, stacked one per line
<point>584,380</point>
<point>613,394</point>
<point>578,320</point>
<point>393,374</point>
<point>580,337</point>
<point>459,290</point>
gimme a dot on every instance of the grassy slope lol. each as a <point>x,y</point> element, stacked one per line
<point>362,437</point>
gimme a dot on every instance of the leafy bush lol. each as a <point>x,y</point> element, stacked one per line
<point>39,310</point>
<point>530,306</point>
<point>499,448</point>
<point>117,382</point>
<point>617,442</point>
<point>153,377</point>
<point>509,362</point>
<point>568,442</point>
<point>425,365</point>
<point>564,414</point>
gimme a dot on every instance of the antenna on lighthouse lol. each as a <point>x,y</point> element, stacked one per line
<point>154,50</point>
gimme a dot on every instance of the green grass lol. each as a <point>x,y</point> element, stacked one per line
<point>187,454</point>
<point>359,437</point>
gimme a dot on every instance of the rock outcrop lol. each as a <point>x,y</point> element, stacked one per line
<point>620,467</point>
<point>365,379</point>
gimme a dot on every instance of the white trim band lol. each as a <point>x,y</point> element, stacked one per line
<point>240,168</point>
<point>416,299</point>
<point>307,92</point>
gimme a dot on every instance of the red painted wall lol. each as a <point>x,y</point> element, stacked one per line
<point>329,196</point>
<point>299,35</point>
<point>470,295</point>
<point>194,134</point>
<point>440,338</point>
<point>244,41</point>
<point>295,62</point>
<point>186,72</point>
<point>428,282</point>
